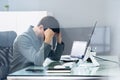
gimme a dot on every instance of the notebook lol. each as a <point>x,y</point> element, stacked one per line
<point>78,50</point>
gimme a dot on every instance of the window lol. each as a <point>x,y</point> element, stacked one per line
<point>20,21</point>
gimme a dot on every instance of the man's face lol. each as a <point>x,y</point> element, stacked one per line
<point>41,31</point>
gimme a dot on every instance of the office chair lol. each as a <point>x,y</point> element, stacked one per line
<point>6,43</point>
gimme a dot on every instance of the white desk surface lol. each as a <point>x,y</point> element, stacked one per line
<point>105,70</point>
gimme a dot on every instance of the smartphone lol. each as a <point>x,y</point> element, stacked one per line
<point>34,70</point>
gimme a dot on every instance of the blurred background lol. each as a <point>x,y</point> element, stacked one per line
<point>78,14</point>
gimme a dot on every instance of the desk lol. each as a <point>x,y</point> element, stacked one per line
<point>104,71</point>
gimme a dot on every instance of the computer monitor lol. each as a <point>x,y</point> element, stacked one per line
<point>90,37</point>
<point>79,48</point>
<point>88,54</point>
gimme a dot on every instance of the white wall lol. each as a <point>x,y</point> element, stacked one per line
<point>20,21</point>
<point>113,20</point>
<point>70,13</point>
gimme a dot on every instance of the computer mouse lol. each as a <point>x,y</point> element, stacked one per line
<point>59,66</point>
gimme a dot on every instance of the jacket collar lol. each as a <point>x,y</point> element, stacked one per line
<point>32,33</point>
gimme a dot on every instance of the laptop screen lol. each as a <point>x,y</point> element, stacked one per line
<point>79,48</point>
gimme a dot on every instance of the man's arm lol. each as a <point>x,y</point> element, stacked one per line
<point>26,48</point>
<point>55,55</point>
<point>59,50</point>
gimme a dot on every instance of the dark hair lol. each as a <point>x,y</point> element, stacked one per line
<point>50,22</point>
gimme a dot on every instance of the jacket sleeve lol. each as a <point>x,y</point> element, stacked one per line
<point>26,48</point>
<point>56,55</point>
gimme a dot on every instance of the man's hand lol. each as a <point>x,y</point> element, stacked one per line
<point>59,38</point>
<point>48,35</point>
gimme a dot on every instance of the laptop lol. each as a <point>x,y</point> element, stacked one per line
<point>75,54</point>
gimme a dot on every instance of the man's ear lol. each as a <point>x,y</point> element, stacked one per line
<point>41,27</point>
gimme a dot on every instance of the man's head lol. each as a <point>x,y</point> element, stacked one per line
<point>49,22</point>
<point>47,28</point>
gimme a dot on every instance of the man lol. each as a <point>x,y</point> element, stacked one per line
<point>34,45</point>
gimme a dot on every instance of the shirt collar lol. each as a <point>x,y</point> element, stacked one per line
<point>32,33</point>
